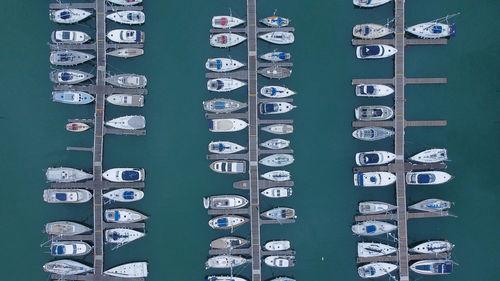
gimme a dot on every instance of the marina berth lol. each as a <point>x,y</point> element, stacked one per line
<point>371,158</point>
<point>227,222</point>
<point>427,177</point>
<point>275,72</point>
<point>276,56</point>
<point>226,22</point>
<point>433,267</point>
<point>434,155</point>
<point>369,3</point>
<point>278,129</point>
<point>129,270</point>
<point>65,174</point>
<point>66,267</point>
<point>226,125</point>
<point>72,97</point>
<point>376,269</point>
<point>374,179</point>
<point>280,213</point>
<point>127,80</point>
<point>278,37</point>
<point>66,195</point>
<point>229,166</point>
<point>375,51</point>
<point>124,195</point>
<point>368,249</point>
<point>373,90</point>
<point>226,40</point>
<point>371,31</point>
<point>224,147</point>
<point>433,247</point>
<point>69,76</point>
<point>122,235</point>
<point>372,228</point>
<point>373,113</point>
<point>224,278</point>
<point>126,100</point>
<point>277,192</point>
<point>126,36</point>
<point>431,205</point>
<point>432,30</point>
<point>275,107</point>
<point>277,245</point>
<point>69,36</point>
<point>275,21</point>
<point>228,242</point>
<point>372,133</point>
<point>125,2</point>
<point>224,84</point>
<point>222,64</point>
<point>68,16</point>
<point>65,228</point>
<point>275,143</point>
<point>124,175</point>
<point>128,17</point>
<point>278,175</point>
<point>276,92</point>
<point>280,261</point>
<point>123,216</point>
<point>69,57</point>
<point>126,52</point>
<point>225,261</point>
<point>69,248</point>
<point>375,207</point>
<point>130,122</point>
<point>223,105</point>
<point>277,160</point>
<point>224,202</point>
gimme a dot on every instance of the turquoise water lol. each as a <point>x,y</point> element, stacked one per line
<point>173,152</point>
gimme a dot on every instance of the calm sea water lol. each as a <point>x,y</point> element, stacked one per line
<point>173,152</point>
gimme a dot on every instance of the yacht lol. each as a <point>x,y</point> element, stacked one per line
<point>431,205</point>
<point>369,3</point>
<point>129,270</point>
<point>375,207</point>
<point>224,84</point>
<point>229,166</point>
<point>226,40</point>
<point>279,129</point>
<point>226,22</point>
<point>77,127</point>
<point>277,245</point>
<point>126,36</point>
<point>280,261</point>
<point>123,216</point>
<point>129,122</point>
<point>122,235</point>
<point>276,92</point>
<point>72,97</point>
<point>278,37</point>
<point>433,267</point>
<point>128,80</point>
<point>375,51</point>
<point>427,177</point>
<point>277,160</point>
<point>431,156</point>
<point>69,248</point>
<point>277,192</point>
<point>126,52</point>
<point>126,100</point>
<point>224,147</point>
<point>125,2</point>
<point>373,113</point>
<point>69,57</point>
<point>228,242</point>
<point>66,195</point>
<point>278,175</point>
<point>225,261</point>
<point>367,250</point>
<point>372,228</point>
<point>128,17</point>
<point>373,90</point>
<point>223,105</point>
<point>65,174</point>
<point>65,228</point>
<point>376,269</point>
<point>371,158</point>
<point>432,30</point>
<point>224,202</point>
<point>372,133</point>
<point>227,222</point>
<point>275,72</point>
<point>374,179</point>
<point>226,125</point>
<point>124,175</point>
<point>69,36</point>
<point>275,107</point>
<point>68,16</point>
<point>276,56</point>
<point>280,213</point>
<point>124,195</point>
<point>433,247</point>
<point>275,21</point>
<point>371,31</point>
<point>66,267</point>
<point>223,64</point>
<point>224,278</point>
<point>275,143</point>
<point>282,279</point>
<point>69,76</point>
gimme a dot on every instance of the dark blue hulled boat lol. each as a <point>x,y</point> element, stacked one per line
<point>433,267</point>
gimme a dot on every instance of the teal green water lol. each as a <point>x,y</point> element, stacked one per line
<point>173,152</point>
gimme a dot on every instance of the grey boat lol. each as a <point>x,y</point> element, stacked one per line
<point>223,105</point>
<point>69,57</point>
<point>275,72</point>
<point>69,76</point>
<point>65,174</point>
<point>373,113</point>
<point>128,80</point>
<point>372,133</point>
<point>65,228</point>
<point>431,205</point>
<point>280,213</point>
<point>126,52</point>
<point>228,242</point>
<point>66,267</point>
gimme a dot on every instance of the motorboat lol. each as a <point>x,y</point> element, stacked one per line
<point>228,242</point>
<point>275,21</point>
<point>371,31</point>
<point>278,129</point>
<point>223,105</point>
<point>371,158</point>
<point>372,133</point>
<point>224,202</point>
<point>376,269</point>
<point>431,205</point>
<point>373,90</point>
<point>69,248</point>
<point>226,125</point>
<point>122,235</point>
<point>276,56</point>
<point>69,57</point>
<point>369,3</point>
<point>277,192</point>
<point>226,40</point>
<point>224,84</point>
<point>125,2</point>
<point>65,228</point>
<point>227,222</point>
<point>129,122</point>
<point>128,17</point>
<point>431,156</point>
<point>126,100</point>
<point>123,216</point>
<point>368,250</point>
<point>77,127</point>
<point>375,51</point>
<point>372,228</point>
<point>66,267</point>
<point>275,72</point>
<point>374,179</point>
<point>277,245</point>
<point>278,37</point>
<point>69,36</point>
<point>66,195</point>
<point>224,278</point>
<point>373,113</point>
<point>68,16</point>
<point>229,166</point>
<point>432,30</point>
<point>65,174</point>
<point>128,80</point>
<point>124,195</point>
<point>224,147</point>
<point>433,267</point>
<point>280,261</point>
<point>124,175</point>
<point>126,36</point>
<point>276,92</point>
<point>126,52</point>
<point>72,97</point>
<point>375,207</point>
<point>225,261</point>
<point>275,107</point>
<point>129,270</point>
<point>277,160</point>
<point>223,64</point>
<point>277,175</point>
<point>226,22</point>
<point>433,247</point>
<point>69,76</point>
<point>275,143</point>
<point>280,213</point>
<point>427,177</point>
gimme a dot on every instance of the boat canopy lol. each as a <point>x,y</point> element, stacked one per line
<point>269,107</point>
<point>129,195</point>
<point>66,35</point>
<point>436,29</point>
<point>371,229</point>
<point>215,63</point>
<point>58,250</point>
<point>426,178</point>
<point>370,50</point>
<point>219,105</point>
<point>280,55</point>
<point>369,89</point>
<point>65,15</point>
<point>61,196</point>
<point>371,158</point>
<point>130,175</point>
<point>210,124</point>
<point>222,222</point>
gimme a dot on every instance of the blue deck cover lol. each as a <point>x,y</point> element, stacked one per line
<point>370,89</point>
<point>65,15</point>
<point>360,179</point>
<point>436,29</point>
<point>57,250</point>
<point>280,55</point>
<point>370,50</point>
<point>137,36</point>
<point>425,178</point>
<point>210,124</point>
<point>66,76</point>
<point>220,105</point>
<point>130,175</point>
<point>370,229</point>
<point>61,196</point>
<point>371,158</point>
<point>128,195</point>
<point>222,222</point>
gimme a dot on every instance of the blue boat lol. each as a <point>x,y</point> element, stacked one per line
<point>72,97</point>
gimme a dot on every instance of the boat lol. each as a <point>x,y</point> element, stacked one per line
<point>229,166</point>
<point>278,37</point>
<point>72,97</point>
<point>431,156</point>
<point>129,122</point>
<point>226,22</point>
<point>228,242</point>
<point>372,228</point>
<point>275,21</point>
<point>226,125</point>
<point>367,249</point>
<point>427,177</point>
<point>375,51</point>
<point>124,195</point>
<point>371,31</point>
<point>66,267</point>
<point>69,36</point>
<point>225,261</point>
<point>125,2</point>
<point>373,113</point>
<point>277,192</point>
<point>126,36</point>
<point>374,179</point>
<point>278,175</point>
<point>227,222</point>
<point>277,245</point>
<point>280,261</point>
<point>69,76</point>
<point>433,267</point>
<point>122,235</point>
<point>65,228</point>
<point>275,72</point>
<point>369,3</point>
<point>223,105</point>
<point>124,174</point>
<point>123,216</point>
<point>224,147</point>
<point>69,57</point>
<point>280,213</point>
<point>226,40</point>
<point>128,17</point>
<point>370,158</point>
<point>77,127</point>
<point>224,278</point>
<point>127,80</point>
<point>129,270</point>
<point>69,248</point>
<point>282,279</point>
<point>279,129</point>
<point>277,160</point>
<point>126,52</point>
<point>276,92</point>
<point>431,205</point>
<point>224,84</point>
<point>372,133</point>
<point>276,56</point>
<point>376,269</point>
<point>65,174</point>
<point>433,247</point>
<point>224,202</point>
<point>373,90</point>
<point>375,207</point>
<point>66,195</point>
<point>68,16</point>
<point>223,64</point>
<point>126,100</point>
<point>275,107</point>
<point>432,30</point>
<point>275,143</point>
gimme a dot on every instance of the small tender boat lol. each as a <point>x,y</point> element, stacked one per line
<point>66,195</point>
<point>280,261</point>
<point>275,72</point>
<point>65,174</point>
<point>374,179</point>
<point>427,177</point>
<point>225,261</point>
<point>226,40</point>
<point>431,156</point>
<point>128,80</point>
<point>276,56</point>
<point>277,160</point>
<point>69,57</point>
<point>276,92</point>
<point>224,147</point>
<point>66,267</point>
<point>275,107</point>
<point>124,175</point>
<point>228,242</point>
<point>77,127</point>
<point>69,248</point>
<point>223,105</point>
<point>229,166</point>
<point>125,2</point>
<point>123,216</point>
<point>432,30</point>
<point>373,112</point>
<point>227,222</point>
<point>226,125</point>
<point>275,143</point>
<point>122,235</point>
<point>372,133</point>
<point>124,195</point>
<point>370,31</point>
<point>431,205</point>
<point>375,51</point>
<point>69,76</point>
<point>224,202</point>
<point>65,228</point>
<point>129,122</point>
<point>126,52</point>
<point>277,245</point>
<point>279,129</point>
<point>370,158</point>
<point>277,192</point>
<point>376,269</point>
<point>69,36</point>
<point>129,270</point>
<point>375,207</point>
<point>433,267</point>
<point>226,22</point>
<point>72,97</point>
<point>68,16</point>
<point>278,175</point>
<point>433,247</point>
<point>128,17</point>
<point>373,90</point>
<point>126,36</point>
<point>366,249</point>
<point>275,21</point>
<point>369,3</point>
<point>223,64</point>
<point>224,278</point>
<point>126,100</point>
<point>278,37</point>
<point>224,84</point>
<point>280,213</point>
<point>372,228</point>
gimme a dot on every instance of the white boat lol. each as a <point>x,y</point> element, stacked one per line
<point>224,84</point>
<point>68,16</point>
<point>77,127</point>
<point>427,177</point>
<point>373,113</point>
<point>374,179</point>
<point>371,31</point>
<point>433,247</point>
<point>65,174</point>
<point>276,56</point>
<point>122,235</point>
<point>282,279</point>
<point>126,100</point>
<point>275,143</point>
<point>223,105</point>
<point>277,245</point>
<point>226,125</point>
<point>277,192</point>
<point>277,160</point>
<point>369,3</point>
<point>431,156</point>
<point>275,72</point>
<point>125,2</point>
<point>225,261</point>
<point>275,107</point>
<point>228,242</point>
<point>275,21</point>
<point>129,270</point>
<point>129,122</point>
<point>224,278</point>
<point>72,97</point>
<point>367,249</point>
<point>432,30</point>
<point>372,133</point>
<point>126,52</point>
<point>278,37</point>
<point>433,267</point>
<point>372,228</point>
<point>280,261</point>
<point>69,57</point>
<point>376,269</point>
<point>66,195</point>
<point>128,17</point>
<point>223,64</point>
<point>126,36</point>
<point>124,195</point>
<point>373,90</point>
<point>375,207</point>
<point>69,76</point>
<point>127,80</point>
<point>69,248</point>
<point>226,40</point>
<point>226,22</point>
<point>227,222</point>
<point>224,147</point>
<point>65,228</point>
<point>124,175</point>
<point>123,216</point>
<point>278,175</point>
<point>69,36</point>
<point>228,166</point>
<point>375,51</point>
<point>280,213</point>
<point>370,158</point>
<point>225,202</point>
<point>431,205</point>
<point>276,92</point>
<point>66,267</point>
<point>279,129</point>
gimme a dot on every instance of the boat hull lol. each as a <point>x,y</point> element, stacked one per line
<point>371,31</point>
